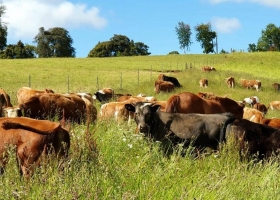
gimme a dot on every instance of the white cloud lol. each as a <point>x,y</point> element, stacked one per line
<point>268,3</point>
<point>25,17</point>
<point>225,25</point>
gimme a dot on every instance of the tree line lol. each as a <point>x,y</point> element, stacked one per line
<point>57,42</point>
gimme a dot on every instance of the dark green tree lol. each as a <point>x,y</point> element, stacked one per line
<point>205,35</point>
<point>184,33</point>
<point>3,29</point>
<point>55,42</point>
<point>119,45</point>
<point>18,51</point>
<point>252,47</point>
<point>270,39</point>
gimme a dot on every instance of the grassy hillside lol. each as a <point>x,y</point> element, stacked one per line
<point>126,166</point>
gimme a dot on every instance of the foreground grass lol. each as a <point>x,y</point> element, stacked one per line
<point>126,166</point>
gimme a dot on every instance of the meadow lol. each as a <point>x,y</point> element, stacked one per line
<point>112,162</point>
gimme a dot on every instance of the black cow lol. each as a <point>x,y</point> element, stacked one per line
<point>106,94</point>
<point>199,130</point>
<point>170,79</point>
<point>254,139</point>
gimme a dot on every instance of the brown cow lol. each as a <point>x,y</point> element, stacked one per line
<point>163,86</point>
<point>274,105</point>
<point>253,115</point>
<point>136,98</point>
<point>31,139</point>
<point>107,94</point>
<point>7,99</point>
<point>230,82</point>
<point>25,93</point>
<point>274,122</point>
<point>49,106</point>
<point>206,95</point>
<point>276,87</point>
<point>208,68</point>
<point>251,84</point>
<point>203,82</point>
<point>171,79</point>
<point>261,107</point>
<point>187,102</point>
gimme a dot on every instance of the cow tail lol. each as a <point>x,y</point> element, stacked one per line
<point>171,104</point>
<point>224,127</point>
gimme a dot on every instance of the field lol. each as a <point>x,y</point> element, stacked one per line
<point>123,165</point>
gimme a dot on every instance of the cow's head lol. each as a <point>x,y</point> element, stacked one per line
<point>143,115</point>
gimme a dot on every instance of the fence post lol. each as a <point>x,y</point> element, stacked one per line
<point>29,81</point>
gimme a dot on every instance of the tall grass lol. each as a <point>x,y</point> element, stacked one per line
<point>123,165</point>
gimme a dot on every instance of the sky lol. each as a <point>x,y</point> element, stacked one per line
<point>237,23</point>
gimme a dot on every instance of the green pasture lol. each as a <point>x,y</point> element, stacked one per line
<point>112,162</point>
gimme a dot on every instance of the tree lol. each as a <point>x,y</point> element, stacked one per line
<point>184,33</point>
<point>252,47</point>
<point>270,39</point>
<point>119,45</point>
<point>18,51</point>
<point>55,42</point>
<point>205,35</point>
<point>3,29</point>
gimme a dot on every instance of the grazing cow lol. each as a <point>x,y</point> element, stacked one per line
<point>49,106</point>
<point>254,140</point>
<point>274,105</point>
<point>208,69</point>
<point>261,107</point>
<point>163,86</point>
<point>106,94</point>
<point>31,139</point>
<point>171,79</point>
<point>7,99</point>
<point>199,130</point>
<point>276,87</point>
<point>251,84</point>
<point>251,100</point>
<point>25,93</point>
<point>115,110</point>
<point>187,102</point>
<point>253,115</point>
<point>230,82</point>
<point>274,122</point>
<point>203,82</point>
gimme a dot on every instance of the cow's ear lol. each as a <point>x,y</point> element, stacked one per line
<point>155,108</point>
<point>130,107</point>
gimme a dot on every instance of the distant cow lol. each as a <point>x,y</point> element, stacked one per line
<point>187,102</point>
<point>49,106</point>
<point>276,87</point>
<point>253,115</point>
<point>274,105</point>
<point>163,86</point>
<point>251,100</point>
<point>107,94</point>
<point>25,93</point>
<point>31,139</point>
<point>261,107</point>
<point>208,68</point>
<point>251,84</point>
<point>199,130</point>
<point>230,82</point>
<point>171,79</point>
<point>203,82</point>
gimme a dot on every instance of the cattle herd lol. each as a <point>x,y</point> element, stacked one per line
<point>37,125</point>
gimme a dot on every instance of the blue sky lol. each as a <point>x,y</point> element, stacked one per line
<point>237,22</point>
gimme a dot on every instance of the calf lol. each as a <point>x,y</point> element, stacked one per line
<point>274,105</point>
<point>208,68</point>
<point>163,86</point>
<point>230,82</point>
<point>276,87</point>
<point>251,84</point>
<point>171,79</point>
<point>203,83</point>
<point>253,115</point>
<point>31,139</point>
<point>261,107</point>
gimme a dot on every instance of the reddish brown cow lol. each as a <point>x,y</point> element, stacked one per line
<point>261,107</point>
<point>251,84</point>
<point>276,87</point>
<point>49,106</point>
<point>25,93</point>
<point>274,122</point>
<point>253,115</point>
<point>274,105</point>
<point>31,139</point>
<point>203,82</point>
<point>208,69</point>
<point>163,86</point>
<point>187,102</point>
<point>230,82</point>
